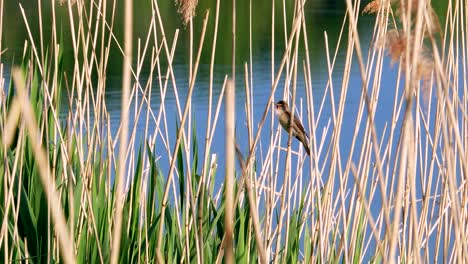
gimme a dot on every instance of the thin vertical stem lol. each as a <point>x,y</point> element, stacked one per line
<point>126,82</point>
<point>229,174</point>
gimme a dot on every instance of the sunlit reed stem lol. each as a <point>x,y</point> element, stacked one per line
<point>230,172</point>
<point>120,176</point>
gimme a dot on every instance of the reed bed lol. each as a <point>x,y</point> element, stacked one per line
<point>73,190</point>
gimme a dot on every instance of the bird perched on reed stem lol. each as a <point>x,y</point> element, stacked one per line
<point>297,130</point>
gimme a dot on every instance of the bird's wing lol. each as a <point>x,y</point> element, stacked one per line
<point>297,121</point>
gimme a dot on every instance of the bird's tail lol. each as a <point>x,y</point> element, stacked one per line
<point>306,148</point>
<point>305,144</point>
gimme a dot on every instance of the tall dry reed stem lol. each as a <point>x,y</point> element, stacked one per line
<point>230,172</point>
<point>121,175</point>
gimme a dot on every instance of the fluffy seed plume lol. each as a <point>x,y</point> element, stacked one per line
<point>187,9</point>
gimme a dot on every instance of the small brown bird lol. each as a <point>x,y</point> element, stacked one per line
<point>284,117</point>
